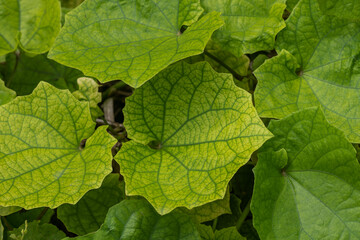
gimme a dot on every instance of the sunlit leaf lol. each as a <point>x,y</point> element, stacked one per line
<point>132,40</point>
<point>42,161</point>
<point>191,130</point>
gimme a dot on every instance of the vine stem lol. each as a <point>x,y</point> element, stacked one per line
<point>6,223</point>
<point>42,213</point>
<point>214,224</point>
<point>243,216</point>
<point>235,74</point>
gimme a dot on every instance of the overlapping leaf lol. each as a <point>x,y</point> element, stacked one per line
<point>6,94</point>
<point>42,162</point>
<point>136,219</point>
<point>307,181</point>
<point>18,218</point>
<point>320,66</point>
<point>4,211</point>
<point>89,213</point>
<point>32,70</point>
<point>35,230</point>
<point>210,211</point>
<point>32,25</point>
<point>230,233</point>
<point>250,26</point>
<point>132,40</point>
<point>201,128</point>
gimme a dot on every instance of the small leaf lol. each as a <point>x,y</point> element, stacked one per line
<point>89,91</point>
<point>89,213</point>
<point>136,219</point>
<point>6,95</point>
<point>30,71</point>
<point>250,25</point>
<point>132,40</point>
<point>32,25</point>
<point>318,65</point>
<point>307,181</point>
<point>4,211</point>
<point>206,232</point>
<point>228,234</point>
<point>192,129</point>
<point>35,230</point>
<point>209,211</point>
<point>41,160</point>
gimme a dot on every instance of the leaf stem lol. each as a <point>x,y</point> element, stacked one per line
<point>214,224</point>
<point>235,74</point>
<point>243,215</point>
<point>43,212</point>
<point>6,223</point>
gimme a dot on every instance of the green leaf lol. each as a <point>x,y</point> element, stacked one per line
<point>230,220</point>
<point>89,91</point>
<point>6,95</point>
<point>32,70</point>
<point>307,181</point>
<point>136,219</point>
<point>230,233</point>
<point>132,40</point>
<point>32,25</point>
<point>290,4</point>
<point>210,211</point>
<point>1,231</point>
<point>4,211</point>
<point>343,9</point>
<point>89,213</point>
<point>250,25</point>
<point>238,64</point>
<point>320,67</point>
<point>41,160</point>
<point>18,218</point>
<point>35,230</point>
<point>206,232</point>
<point>200,128</point>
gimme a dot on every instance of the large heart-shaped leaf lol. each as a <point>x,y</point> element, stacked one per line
<point>42,162</point>
<point>307,181</point>
<point>320,67</point>
<point>201,128</point>
<point>136,219</point>
<point>132,40</point>
<point>250,25</point>
<point>32,25</point>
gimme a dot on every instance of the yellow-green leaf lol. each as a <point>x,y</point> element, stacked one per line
<point>32,25</point>
<point>318,65</point>
<point>6,94</point>
<point>250,25</point>
<point>132,40</point>
<point>42,161</point>
<point>191,130</point>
